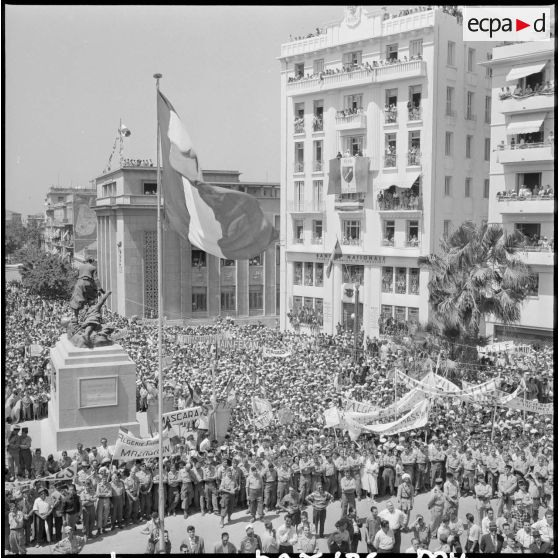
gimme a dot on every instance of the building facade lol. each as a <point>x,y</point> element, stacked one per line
<point>522,173</point>
<point>70,226</point>
<point>196,284</point>
<point>12,217</point>
<point>385,145</point>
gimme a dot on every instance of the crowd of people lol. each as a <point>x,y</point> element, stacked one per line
<point>296,466</point>
<point>126,162</point>
<point>526,193</point>
<point>521,92</point>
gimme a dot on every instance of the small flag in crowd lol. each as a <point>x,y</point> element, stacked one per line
<point>334,255</point>
<point>125,131</point>
<point>225,223</point>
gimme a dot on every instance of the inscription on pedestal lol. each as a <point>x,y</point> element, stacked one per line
<point>98,392</point>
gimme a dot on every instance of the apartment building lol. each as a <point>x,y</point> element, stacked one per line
<point>385,146</point>
<point>522,173</point>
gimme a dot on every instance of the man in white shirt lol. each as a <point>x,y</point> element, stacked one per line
<point>487,520</point>
<point>524,536</point>
<point>546,527</point>
<point>103,450</point>
<point>286,536</point>
<point>413,549</point>
<point>396,519</point>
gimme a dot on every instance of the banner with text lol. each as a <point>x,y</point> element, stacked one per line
<point>263,412</point>
<point>184,417</point>
<point>518,402</point>
<point>129,448</point>
<point>275,353</point>
<point>407,402</point>
<point>358,406</point>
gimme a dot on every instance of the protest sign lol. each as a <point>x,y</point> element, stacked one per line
<point>332,417</point>
<point>129,448</point>
<point>184,417</point>
<point>35,350</point>
<point>407,402</point>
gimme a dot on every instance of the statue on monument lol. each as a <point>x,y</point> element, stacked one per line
<point>88,331</point>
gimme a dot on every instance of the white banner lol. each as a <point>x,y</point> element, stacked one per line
<point>275,353</point>
<point>184,417</point>
<point>263,412</point>
<point>358,406</point>
<point>407,402</point>
<point>516,401</point>
<point>332,417</point>
<point>497,347</point>
<point>35,350</point>
<point>417,417</point>
<point>129,448</point>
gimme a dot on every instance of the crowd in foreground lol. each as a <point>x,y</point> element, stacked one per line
<point>297,468</point>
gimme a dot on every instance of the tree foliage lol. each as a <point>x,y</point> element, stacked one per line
<point>46,274</point>
<point>477,273</point>
<point>14,236</point>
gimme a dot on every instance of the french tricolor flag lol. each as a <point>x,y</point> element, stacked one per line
<point>222,222</point>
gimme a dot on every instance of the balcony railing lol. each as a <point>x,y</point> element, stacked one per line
<point>349,203</point>
<point>387,242</point>
<point>306,206</point>
<point>350,119</point>
<point>317,166</point>
<point>318,124</point>
<point>545,247</point>
<point>298,240</point>
<point>413,159</point>
<point>525,152</point>
<point>317,240</point>
<point>299,167</point>
<point>299,126</point>
<point>390,116</point>
<point>412,243</point>
<point>390,160</point>
<point>513,196</point>
<point>403,202</point>
<point>351,241</point>
<point>415,113</point>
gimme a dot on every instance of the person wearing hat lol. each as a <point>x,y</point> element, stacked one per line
<point>408,460</point>
<point>87,500</point>
<point>492,542</point>
<point>13,451</point>
<point>70,544</point>
<point>538,546</point>
<point>435,504</point>
<point>251,542</point>
<point>103,494</point>
<point>17,533</point>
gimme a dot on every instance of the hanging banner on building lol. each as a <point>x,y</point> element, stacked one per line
<point>184,417</point>
<point>348,175</point>
<point>417,417</point>
<point>407,402</point>
<point>85,223</point>
<point>129,448</point>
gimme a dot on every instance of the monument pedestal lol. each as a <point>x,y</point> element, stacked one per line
<point>93,393</point>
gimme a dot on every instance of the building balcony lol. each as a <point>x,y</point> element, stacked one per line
<point>351,242</point>
<point>61,222</point>
<point>317,241</point>
<point>531,103</point>
<point>526,153</point>
<point>298,167</point>
<point>412,243</point>
<point>318,124</point>
<point>532,205</point>
<point>306,207</point>
<point>406,23</point>
<point>318,166</point>
<point>390,161</point>
<point>350,121</point>
<point>535,255</point>
<point>402,203</point>
<point>126,200</point>
<point>413,159</point>
<point>299,126</point>
<point>298,240</point>
<point>352,203</point>
<point>390,116</point>
<point>414,114</point>
<point>388,242</point>
<point>336,79</point>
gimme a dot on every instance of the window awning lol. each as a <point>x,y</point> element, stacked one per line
<point>525,70</point>
<point>526,123</point>
<point>400,181</point>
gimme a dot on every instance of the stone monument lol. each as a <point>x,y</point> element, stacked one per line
<point>93,393</point>
<point>93,380</point>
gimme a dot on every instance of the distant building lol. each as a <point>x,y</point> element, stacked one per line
<point>70,224</point>
<point>196,284</point>
<point>522,173</point>
<point>12,216</point>
<point>385,146</point>
<point>36,220</point>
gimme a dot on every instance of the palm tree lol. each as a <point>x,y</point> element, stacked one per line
<point>478,272</point>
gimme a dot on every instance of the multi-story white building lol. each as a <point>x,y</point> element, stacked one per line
<point>522,172</point>
<point>400,94</point>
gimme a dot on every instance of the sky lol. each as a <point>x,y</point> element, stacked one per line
<point>72,72</point>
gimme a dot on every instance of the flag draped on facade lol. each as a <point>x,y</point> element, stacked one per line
<point>225,223</point>
<point>336,252</point>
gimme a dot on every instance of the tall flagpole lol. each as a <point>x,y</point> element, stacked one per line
<point>160,327</point>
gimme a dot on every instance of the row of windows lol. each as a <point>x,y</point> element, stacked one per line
<point>401,313</point>
<point>309,274</point>
<point>469,105</point>
<point>449,144</point>
<point>400,280</point>
<point>309,302</point>
<point>354,58</point>
<point>199,259</point>
<point>228,298</point>
<point>448,187</point>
